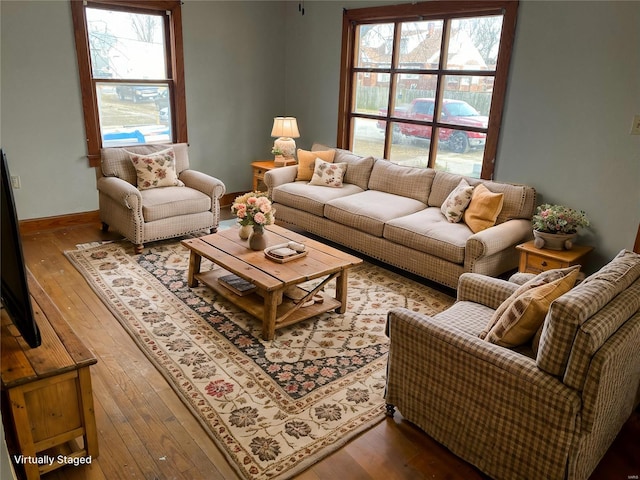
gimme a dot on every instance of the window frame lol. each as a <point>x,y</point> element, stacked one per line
<point>174,62</point>
<point>438,9</point>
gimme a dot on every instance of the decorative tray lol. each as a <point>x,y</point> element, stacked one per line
<point>285,252</point>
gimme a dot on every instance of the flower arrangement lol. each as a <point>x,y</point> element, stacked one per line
<point>558,219</point>
<point>253,208</point>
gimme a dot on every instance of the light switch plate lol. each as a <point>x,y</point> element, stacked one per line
<point>635,127</point>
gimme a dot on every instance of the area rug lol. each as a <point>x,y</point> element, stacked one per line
<point>273,407</point>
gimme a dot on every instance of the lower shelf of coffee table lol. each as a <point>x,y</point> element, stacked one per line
<point>253,303</point>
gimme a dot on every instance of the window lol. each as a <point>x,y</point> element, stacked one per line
<point>424,84</point>
<point>131,72</point>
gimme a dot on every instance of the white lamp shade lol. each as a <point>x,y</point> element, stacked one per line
<point>285,127</point>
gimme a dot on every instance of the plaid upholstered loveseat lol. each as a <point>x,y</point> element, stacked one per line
<point>519,414</point>
<point>392,213</point>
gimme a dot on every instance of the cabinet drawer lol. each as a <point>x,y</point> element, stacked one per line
<point>540,264</point>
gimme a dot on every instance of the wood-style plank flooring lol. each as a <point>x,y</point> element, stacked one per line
<point>145,431</point>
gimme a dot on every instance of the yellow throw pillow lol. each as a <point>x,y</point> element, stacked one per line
<point>484,208</point>
<point>307,162</point>
<point>542,278</point>
<point>522,319</point>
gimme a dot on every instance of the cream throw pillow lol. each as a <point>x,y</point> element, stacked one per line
<point>457,201</point>
<point>307,162</point>
<point>484,208</point>
<point>522,319</point>
<point>328,174</point>
<point>156,169</point>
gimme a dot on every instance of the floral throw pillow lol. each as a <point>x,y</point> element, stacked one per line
<point>328,174</point>
<point>156,169</point>
<point>454,206</point>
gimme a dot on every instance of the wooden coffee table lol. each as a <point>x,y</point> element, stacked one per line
<point>269,302</point>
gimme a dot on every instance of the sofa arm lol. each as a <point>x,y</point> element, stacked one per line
<point>121,191</point>
<point>485,290</point>
<point>279,176</point>
<point>495,239</point>
<point>204,183</point>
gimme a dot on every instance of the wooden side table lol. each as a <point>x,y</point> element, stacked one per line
<point>259,169</point>
<point>536,260</point>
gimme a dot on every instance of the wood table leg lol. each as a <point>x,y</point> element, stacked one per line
<point>270,312</point>
<point>194,268</point>
<point>341,291</point>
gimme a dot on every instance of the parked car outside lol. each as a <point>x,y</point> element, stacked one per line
<point>454,112</point>
<point>137,93</point>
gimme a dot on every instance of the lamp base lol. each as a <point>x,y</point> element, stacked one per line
<point>286,145</point>
<point>281,161</point>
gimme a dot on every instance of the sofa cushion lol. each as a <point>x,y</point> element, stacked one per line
<point>370,210</point>
<point>525,313</point>
<point>429,231</point>
<point>327,174</point>
<point>310,198</point>
<point>569,312</point>
<point>408,182</point>
<point>165,202</point>
<point>519,200</point>
<point>307,162</point>
<point>484,208</point>
<point>115,161</point>
<point>358,168</point>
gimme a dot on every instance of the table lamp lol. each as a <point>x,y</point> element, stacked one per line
<point>286,129</point>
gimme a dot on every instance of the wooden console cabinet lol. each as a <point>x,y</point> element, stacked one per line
<point>47,400</point>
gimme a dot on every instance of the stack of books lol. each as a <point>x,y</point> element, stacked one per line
<point>237,284</point>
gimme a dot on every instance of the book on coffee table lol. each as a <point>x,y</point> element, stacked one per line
<point>237,284</point>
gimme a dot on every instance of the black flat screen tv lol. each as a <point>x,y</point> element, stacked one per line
<point>15,289</point>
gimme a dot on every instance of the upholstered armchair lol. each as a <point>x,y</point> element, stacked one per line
<point>156,197</point>
<point>549,408</point>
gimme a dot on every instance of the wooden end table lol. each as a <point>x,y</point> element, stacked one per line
<point>259,169</point>
<point>536,260</point>
<point>269,303</point>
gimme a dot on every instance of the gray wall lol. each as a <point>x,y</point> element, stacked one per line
<point>573,90</point>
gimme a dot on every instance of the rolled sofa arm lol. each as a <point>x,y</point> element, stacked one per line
<point>279,176</point>
<point>121,191</point>
<point>485,290</point>
<point>204,183</point>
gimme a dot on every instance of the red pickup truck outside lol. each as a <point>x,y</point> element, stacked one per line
<point>454,112</point>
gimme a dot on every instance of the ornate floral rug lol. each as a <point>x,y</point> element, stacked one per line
<point>273,407</point>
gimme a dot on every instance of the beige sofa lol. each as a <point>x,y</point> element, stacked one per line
<point>392,213</point>
<point>517,413</point>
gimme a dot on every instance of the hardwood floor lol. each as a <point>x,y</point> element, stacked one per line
<point>145,431</point>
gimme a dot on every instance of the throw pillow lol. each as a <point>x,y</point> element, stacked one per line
<point>328,174</point>
<point>526,314</point>
<point>484,208</point>
<point>307,162</point>
<point>542,278</point>
<point>156,169</point>
<point>457,201</point>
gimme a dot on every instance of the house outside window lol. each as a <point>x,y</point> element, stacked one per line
<point>436,99</point>
<point>131,72</point>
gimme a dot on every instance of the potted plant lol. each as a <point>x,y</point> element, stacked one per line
<point>556,226</point>
<point>278,154</point>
